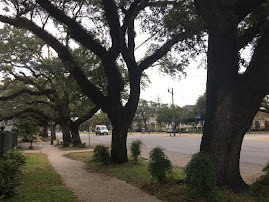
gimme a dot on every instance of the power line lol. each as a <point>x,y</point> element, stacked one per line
<point>147,40</point>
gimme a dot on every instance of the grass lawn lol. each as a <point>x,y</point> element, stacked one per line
<point>39,182</point>
<point>137,175</point>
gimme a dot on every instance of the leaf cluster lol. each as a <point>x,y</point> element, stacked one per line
<point>101,154</point>
<point>159,164</point>
<point>10,165</point>
<point>136,146</point>
<point>201,176</point>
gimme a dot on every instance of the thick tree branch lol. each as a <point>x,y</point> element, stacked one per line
<point>77,32</point>
<point>87,87</point>
<point>128,52</point>
<point>25,91</point>
<point>87,116</point>
<point>39,102</point>
<point>27,80</point>
<point>159,53</point>
<point>116,34</point>
<point>28,110</point>
<point>131,37</point>
<point>248,35</point>
<point>131,13</point>
<point>256,77</point>
<point>244,7</point>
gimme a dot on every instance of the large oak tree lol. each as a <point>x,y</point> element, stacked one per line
<point>45,88</point>
<point>107,28</point>
<point>233,96</point>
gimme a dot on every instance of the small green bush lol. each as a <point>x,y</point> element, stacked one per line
<point>16,156</point>
<point>101,154</point>
<point>19,146</point>
<point>66,144</point>
<point>159,164</point>
<point>10,165</point>
<point>201,176</point>
<point>266,169</point>
<point>83,145</point>
<point>136,146</point>
<point>260,187</point>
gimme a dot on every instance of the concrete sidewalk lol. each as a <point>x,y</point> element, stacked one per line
<point>87,185</point>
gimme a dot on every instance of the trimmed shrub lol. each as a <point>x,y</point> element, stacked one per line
<point>136,146</point>
<point>83,145</point>
<point>266,169</point>
<point>201,176</point>
<point>9,171</point>
<point>101,154</point>
<point>66,144</point>
<point>159,164</point>
<point>259,188</point>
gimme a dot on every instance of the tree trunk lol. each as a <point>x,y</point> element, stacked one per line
<point>75,134</point>
<point>145,124</point>
<point>66,132</point>
<point>226,120</point>
<point>118,145</point>
<point>121,119</point>
<point>45,132</point>
<point>222,139</point>
<point>232,103</point>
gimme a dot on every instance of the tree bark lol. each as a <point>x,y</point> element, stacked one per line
<point>233,99</point>
<point>226,119</point>
<point>45,131</point>
<point>118,144</point>
<point>75,134</point>
<point>66,132</point>
<point>121,118</point>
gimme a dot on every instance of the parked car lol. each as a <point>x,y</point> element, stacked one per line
<point>101,130</point>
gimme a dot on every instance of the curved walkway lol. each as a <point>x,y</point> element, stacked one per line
<point>89,186</point>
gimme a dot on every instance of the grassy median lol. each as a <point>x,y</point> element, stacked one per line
<point>138,175</point>
<point>39,182</point>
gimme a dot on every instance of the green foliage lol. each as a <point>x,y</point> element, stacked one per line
<point>159,164</point>
<point>259,189</point>
<point>101,154</point>
<point>27,128</point>
<point>266,169</point>
<point>200,106</point>
<point>100,118</point>
<point>83,145</point>
<point>182,115</point>
<point>17,156</point>
<point>19,146</point>
<point>201,176</point>
<point>39,182</point>
<point>66,144</point>
<point>9,170</point>
<point>136,146</point>
<point>138,176</point>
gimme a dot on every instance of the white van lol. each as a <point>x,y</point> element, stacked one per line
<point>101,130</point>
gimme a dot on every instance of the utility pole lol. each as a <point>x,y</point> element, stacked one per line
<point>173,111</point>
<point>158,99</point>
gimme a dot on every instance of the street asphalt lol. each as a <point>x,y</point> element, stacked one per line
<point>179,148</point>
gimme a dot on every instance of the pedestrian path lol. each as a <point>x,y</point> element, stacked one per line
<point>90,186</point>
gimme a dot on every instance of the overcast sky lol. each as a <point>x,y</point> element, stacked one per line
<point>186,90</point>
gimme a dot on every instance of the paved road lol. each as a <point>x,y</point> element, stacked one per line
<point>254,154</point>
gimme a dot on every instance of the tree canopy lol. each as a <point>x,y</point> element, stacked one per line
<point>108,29</point>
